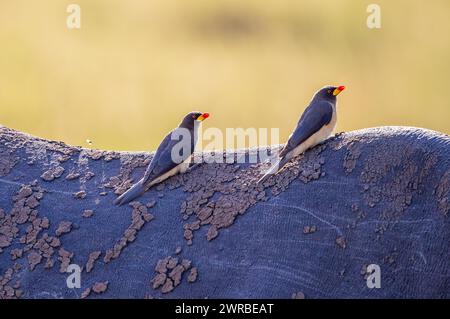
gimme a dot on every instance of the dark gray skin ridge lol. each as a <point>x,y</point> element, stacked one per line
<point>374,196</point>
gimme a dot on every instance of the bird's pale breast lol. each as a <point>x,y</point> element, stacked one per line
<point>318,137</point>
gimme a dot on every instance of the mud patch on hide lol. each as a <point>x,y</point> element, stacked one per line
<point>7,162</point>
<point>92,258</point>
<point>351,157</point>
<point>169,273</point>
<point>442,193</point>
<point>139,217</point>
<point>123,181</point>
<point>353,149</point>
<point>393,178</point>
<point>52,173</point>
<point>87,213</point>
<point>9,290</point>
<point>23,222</point>
<point>298,295</point>
<point>219,193</point>
<point>98,288</point>
<point>63,228</point>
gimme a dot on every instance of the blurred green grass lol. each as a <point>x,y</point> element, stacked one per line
<point>136,67</point>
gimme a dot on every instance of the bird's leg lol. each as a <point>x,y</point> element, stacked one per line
<point>192,166</point>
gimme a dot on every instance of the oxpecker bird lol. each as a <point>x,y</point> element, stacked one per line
<point>173,156</point>
<point>315,125</point>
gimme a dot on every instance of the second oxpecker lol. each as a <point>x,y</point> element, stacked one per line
<point>172,156</point>
<point>315,125</point>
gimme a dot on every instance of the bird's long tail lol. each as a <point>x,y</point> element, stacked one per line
<point>135,191</point>
<point>272,170</point>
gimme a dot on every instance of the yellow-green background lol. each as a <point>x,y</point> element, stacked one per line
<point>135,67</point>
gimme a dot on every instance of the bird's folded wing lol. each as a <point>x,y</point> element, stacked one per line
<point>163,162</point>
<point>314,118</point>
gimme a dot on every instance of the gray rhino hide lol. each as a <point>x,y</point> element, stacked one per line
<point>375,196</point>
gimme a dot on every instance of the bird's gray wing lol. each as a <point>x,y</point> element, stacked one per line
<point>313,119</point>
<point>163,162</point>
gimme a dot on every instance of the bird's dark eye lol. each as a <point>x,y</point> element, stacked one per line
<point>193,116</point>
<point>329,91</point>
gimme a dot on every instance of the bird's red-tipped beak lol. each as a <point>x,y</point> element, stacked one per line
<point>338,90</point>
<point>202,117</point>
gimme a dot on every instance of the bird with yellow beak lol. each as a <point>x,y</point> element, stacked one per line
<point>173,156</point>
<point>315,125</point>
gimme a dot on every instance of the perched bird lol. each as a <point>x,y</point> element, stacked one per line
<point>315,125</point>
<point>172,156</point>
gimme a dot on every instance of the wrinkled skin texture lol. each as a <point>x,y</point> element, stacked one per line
<point>375,196</point>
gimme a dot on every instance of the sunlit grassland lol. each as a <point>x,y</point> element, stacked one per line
<point>136,67</point>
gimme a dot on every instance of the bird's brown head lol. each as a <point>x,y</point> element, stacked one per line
<point>192,117</point>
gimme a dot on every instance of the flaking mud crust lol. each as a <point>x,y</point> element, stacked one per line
<point>139,217</point>
<point>352,146</point>
<point>7,161</point>
<point>392,175</point>
<point>443,194</point>
<point>24,225</point>
<point>122,182</point>
<point>219,193</point>
<point>9,289</point>
<point>97,288</point>
<point>298,295</point>
<point>396,191</point>
<point>169,273</point>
